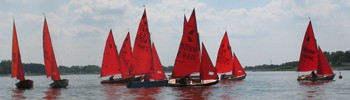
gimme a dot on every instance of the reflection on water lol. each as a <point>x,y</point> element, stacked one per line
<point>111,91</point>
<point>145,93</point>
<point>17,94</point>
<point>52,94</point>
<point>229,85</point>
<point>314,89</point>
<point>193,93</point>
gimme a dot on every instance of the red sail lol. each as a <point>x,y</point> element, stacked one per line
<point>323,66</point>
<point>157,72</point>
<point>49,56</point>
<point>187,59</point>
<point>142,57</point>
<point>17,69</point>
<point>237,67</point>
<point>125,56</point>
<point>308,57</point>
<point>224,59</point>
<point>110,62</point>
<point>207,70</point>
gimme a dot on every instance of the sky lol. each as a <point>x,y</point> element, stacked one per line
<point>260,31</point>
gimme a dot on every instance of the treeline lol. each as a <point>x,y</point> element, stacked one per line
<point>39,69</point>
<point>338,60</point>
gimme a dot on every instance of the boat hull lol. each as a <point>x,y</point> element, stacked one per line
<point>63,83</point>
<point>174,83</point>
<point>116,81</point>
<point>226,77</point>
<point>25,84</point>
<point>323,77</point>
<point>147,84</point>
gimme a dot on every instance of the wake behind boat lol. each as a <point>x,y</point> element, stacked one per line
<point>312,58</point>
<point>50,61</point>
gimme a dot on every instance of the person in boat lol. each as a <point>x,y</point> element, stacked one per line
<point>313,74</point>
<point>111,78</point>
<point>185,80</point>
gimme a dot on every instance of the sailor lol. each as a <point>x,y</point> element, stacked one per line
<point>111,78</point>
<point>313,74</point>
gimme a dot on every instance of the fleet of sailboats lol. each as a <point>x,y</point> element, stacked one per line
<point>312,58</point>
<point>140,66</point>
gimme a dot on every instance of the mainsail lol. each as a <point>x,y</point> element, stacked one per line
<point>110,62</point>
<point>188,57</point>
<point>49,56</point>
<point>308,58</point>
<point>224,59</point>
<point>17,68</point>
<point>142,57</point>
<point>125,56</point>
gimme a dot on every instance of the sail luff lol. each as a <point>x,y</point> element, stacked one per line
<point>224,58</point>
<point>17,68</point>
<point>49,56</point>
<point>110,62</point>
<point>308,57</point>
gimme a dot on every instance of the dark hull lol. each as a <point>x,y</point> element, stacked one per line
<point>115,81</point>
<point>330,77</point>
<point>59,84</point>
<point>196,84</point>
<point>147,84</point>
<point>25,84</point>
<point>232,78</point>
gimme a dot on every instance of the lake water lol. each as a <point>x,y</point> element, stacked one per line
<point>257,85</point>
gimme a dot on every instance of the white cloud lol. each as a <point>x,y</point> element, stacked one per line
<point>258,34</point>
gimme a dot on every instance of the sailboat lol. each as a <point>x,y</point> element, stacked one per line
<point>226,63</point>
<point>312,58</point>
<point>50,61</point>
<point>17,68</point>
<point>156,76</point>
<point>142,61</point>
<point>188,60</point>
<point>111,63</point>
